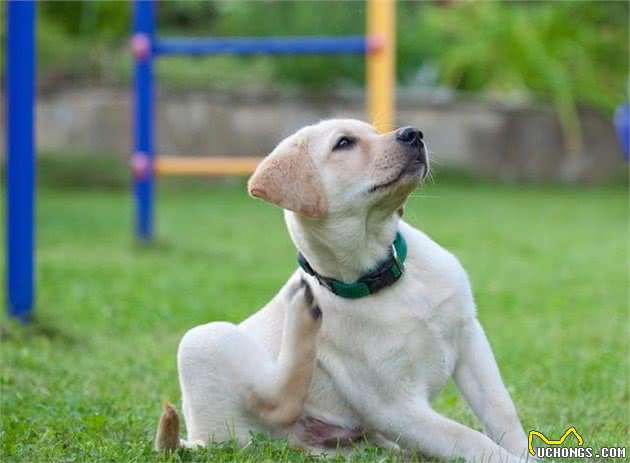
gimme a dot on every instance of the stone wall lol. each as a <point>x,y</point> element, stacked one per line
<point>496,141</point>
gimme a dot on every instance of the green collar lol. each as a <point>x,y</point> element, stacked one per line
<point>384,275</point>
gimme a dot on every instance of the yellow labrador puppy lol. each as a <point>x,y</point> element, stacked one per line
<point>396,312</point>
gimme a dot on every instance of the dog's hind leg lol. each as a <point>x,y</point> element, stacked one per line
<point>231,385</point>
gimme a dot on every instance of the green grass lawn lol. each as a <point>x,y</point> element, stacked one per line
<point>85,382</point>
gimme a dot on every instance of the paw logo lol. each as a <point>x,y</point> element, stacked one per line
<point>547,441</point>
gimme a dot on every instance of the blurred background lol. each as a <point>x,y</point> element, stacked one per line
<point>505,90</point>
<point>530,190</point>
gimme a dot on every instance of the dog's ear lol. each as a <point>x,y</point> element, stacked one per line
<point>288,178</point>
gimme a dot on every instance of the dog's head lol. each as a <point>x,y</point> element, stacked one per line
<point>341,166</point>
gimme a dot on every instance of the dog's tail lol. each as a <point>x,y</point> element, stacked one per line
<point>167,435</point>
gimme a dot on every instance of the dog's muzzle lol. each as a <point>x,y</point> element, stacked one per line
<point>413,140</point>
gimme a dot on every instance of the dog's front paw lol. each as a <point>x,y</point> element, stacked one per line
<point>302,300</point>
<point>309,300</point>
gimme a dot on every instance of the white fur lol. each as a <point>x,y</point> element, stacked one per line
<point>381,358</point>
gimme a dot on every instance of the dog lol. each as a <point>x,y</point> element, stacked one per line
<point>364,334</point>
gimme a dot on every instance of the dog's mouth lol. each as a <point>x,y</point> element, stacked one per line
<point>416,167</point>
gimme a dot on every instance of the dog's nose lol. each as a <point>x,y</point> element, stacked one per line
<point>409,135</point>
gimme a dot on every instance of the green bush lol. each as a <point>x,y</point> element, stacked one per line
<point>563,52</point>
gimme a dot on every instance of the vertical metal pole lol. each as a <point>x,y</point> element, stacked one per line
<point>381,63</point>
<point>20,140</point>
<point>143,155</point>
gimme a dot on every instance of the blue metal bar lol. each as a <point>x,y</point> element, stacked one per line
<point>143,156</point>
<point>20,140</point>
<point>622,125</point>
<point>261,45</point>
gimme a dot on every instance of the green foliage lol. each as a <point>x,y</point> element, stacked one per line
<point>87,380</point>
<point>564,52</point>
<point>58,55</point>
<point>568,53</point>
<point>301,18</point>
<point>102,19</point>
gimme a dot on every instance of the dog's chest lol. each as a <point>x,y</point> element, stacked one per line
<point>398,346</point>
<point>373,347</point>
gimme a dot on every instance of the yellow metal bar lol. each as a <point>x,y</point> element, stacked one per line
<point>200,166</point>
<point>381,63</point>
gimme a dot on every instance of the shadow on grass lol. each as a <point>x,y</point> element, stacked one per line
<point>18,332</point>
<point>264,448</point>
<point>161,246</point>
<point>155,246</point>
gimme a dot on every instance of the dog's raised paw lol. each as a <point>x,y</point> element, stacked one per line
<point>308,292</point>
<point>302,293</point>
<point>316,312</point>
<point>313,307</point>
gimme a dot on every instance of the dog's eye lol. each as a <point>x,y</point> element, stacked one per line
<point>344,143</point>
